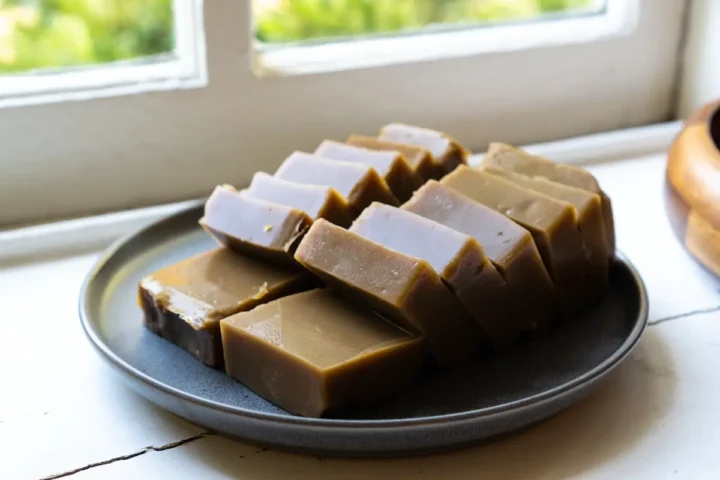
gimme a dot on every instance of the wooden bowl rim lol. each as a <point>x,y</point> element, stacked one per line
<point>682,171</point>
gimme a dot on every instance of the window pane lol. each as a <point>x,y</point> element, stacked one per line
<point>38,34</point>
<point>285,21</point>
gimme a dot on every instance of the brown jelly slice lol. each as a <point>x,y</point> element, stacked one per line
<point>419,158</point>
<point>457,258</point>
<point>589,222</point>
<point>184,302</point>
<point>508,245</point>
<point>551,222</point>
<point>447,153</point>
<point>391,165</point>
<point>358,183</point>
<point>402,288</point>
<point>317,201</point>
<point>520,161</point>
<point>316,352</point>
<point>254,227</point>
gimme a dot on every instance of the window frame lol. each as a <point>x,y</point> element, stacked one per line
<point>93,233</point>
<point>616,19</point>
<point>70,158</point>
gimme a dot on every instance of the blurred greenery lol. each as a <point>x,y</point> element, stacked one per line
<point>294,20</point>
<point>59,33</point>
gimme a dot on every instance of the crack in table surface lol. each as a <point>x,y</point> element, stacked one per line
<point>680,316</point>
<point>130,456</point>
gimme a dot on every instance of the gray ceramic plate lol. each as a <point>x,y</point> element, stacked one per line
<point>527,384</point>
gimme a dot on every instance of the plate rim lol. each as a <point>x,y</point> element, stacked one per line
<point>107,353</point>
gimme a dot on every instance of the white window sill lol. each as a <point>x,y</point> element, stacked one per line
<point>90,233</point>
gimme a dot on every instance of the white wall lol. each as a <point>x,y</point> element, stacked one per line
<point>700,81</point>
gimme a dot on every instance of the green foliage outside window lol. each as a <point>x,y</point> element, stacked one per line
<point>59,33</point>
<point>295,20</point>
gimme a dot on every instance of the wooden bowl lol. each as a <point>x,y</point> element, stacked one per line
<point>693,186</point>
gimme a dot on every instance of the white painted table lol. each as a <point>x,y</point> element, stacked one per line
<point>63,413</point>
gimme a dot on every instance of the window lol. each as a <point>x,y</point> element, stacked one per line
<point>230,99</point>
<point>62,49</point>
<point>282,21</point>
<point>48,34</point>
<point>309,36</point>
